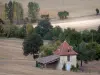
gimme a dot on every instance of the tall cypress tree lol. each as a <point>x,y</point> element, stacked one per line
<point>10,11</point>
<point>33,10</point>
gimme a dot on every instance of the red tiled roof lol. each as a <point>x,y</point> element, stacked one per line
<point>65,49</point>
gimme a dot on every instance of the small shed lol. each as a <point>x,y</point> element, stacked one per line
<point>48,62</point>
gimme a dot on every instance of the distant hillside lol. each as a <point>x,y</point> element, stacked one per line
<point>75,7</point>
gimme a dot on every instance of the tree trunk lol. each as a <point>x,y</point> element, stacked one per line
<point>81,63</point>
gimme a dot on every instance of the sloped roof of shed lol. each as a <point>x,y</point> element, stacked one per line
<point>48,59</point>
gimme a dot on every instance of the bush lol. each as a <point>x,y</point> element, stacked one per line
<point>9,30</point>
<point>48,52</point>
<point>1,30</point>
<point>29,29</point>
<point>21,32</point>
<point>64,67</point>
<point>77,66</point>
<point>73,68</point>
<point>63,14</point>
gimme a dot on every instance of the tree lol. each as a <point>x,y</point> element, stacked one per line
<point>56,32</point>
<point>84,53</point>
<point>29,29</point>
<point>6,11</point>
<point>10,11</point>
<point>31,44</point>
<point>86,36</point>
<point>1,29</point>
<point>14,12</point>
<point>43,27</point>
<point>75,38</point>
<point>63,14</point>
<point>10,30</point>
<point>95,47</point>
<point>98,29</point>
<point>49,49</point>
<point>33,10</point>
<point>21,32</point>
<point>97,11</point>
<point>17,12</point>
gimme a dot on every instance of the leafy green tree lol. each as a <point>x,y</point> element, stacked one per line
<point>63,14</point>
<point>10,30</point>
<point>86,36</point>
<point>56,32</point>
<point>84,53</point>
<point>6,11</point>
<point>10,11</point>
<point>31,44</point>
<point>21,32</point>
<point>95,47</point>
<point>98,29</point>
<point>97,11</point>
<point>14,12</point>
<point>48,49</point>
<point>75,38</point>
<point>48,36</point>
<point>29,29</point>
<point>18,12</point>
<point>1,30</point>
<point>33,10</point>
<point>43,27</point>
<point>53,34</point>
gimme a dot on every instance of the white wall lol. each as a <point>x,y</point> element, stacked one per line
<point>63,59</point>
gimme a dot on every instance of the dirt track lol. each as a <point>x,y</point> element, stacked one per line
<point>12,61</point>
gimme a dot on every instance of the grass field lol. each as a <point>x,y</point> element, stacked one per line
<point>12,61</point>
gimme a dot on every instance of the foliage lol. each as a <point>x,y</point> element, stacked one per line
<point>21,32</point>
<point>53,34</point>
<point>74,69</point>
<point>64,67</point>
<point>49,49</point>
<point>14,12</point>
<point>43,27</point>
<point>63,14</point>
<point>31,44</point>
<point>9,30</point>
<point>56,32</point>
<point>95,48</point>
<point>71,35</point>
<point>85,53</point>
<point>1,29</point>
<point>33,10</point>
<point>97,11</point>
<point>29,29</point>
<point>86,36</point>
<point>10,11</point>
